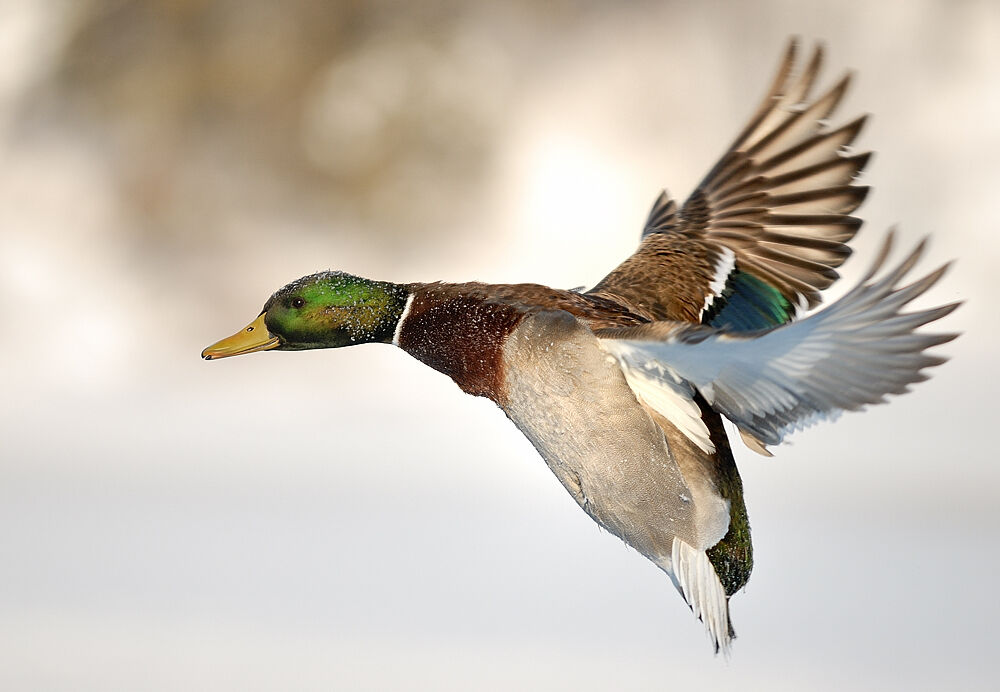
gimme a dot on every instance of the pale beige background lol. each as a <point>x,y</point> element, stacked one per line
<point>350,520</point>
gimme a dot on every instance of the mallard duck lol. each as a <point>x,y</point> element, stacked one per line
<point>622,389</point>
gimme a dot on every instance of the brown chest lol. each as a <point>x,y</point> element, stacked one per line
<point>461,336</point>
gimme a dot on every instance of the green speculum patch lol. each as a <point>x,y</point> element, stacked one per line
<point>748,304</point>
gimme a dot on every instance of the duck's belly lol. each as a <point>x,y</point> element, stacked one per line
<point>570,399</point>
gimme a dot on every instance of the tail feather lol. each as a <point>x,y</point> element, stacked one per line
<point>703,591</point>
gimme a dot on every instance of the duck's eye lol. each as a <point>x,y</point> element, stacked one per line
<point>298,302</point>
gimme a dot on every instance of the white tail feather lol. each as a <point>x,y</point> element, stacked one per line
<point>700,586</point>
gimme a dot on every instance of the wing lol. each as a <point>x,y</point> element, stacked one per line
<point>849,355</point>
<point>571,400</point>
<point>765,229</point>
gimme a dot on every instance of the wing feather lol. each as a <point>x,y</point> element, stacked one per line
<point>853,353</point>
<point>780,198</point>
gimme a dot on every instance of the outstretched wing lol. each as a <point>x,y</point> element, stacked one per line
<point>851,354</point>
<point>764,231</point>
<point>570,399</point>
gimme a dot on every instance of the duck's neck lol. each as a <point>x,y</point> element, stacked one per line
<point>400,312</point>
<point>387,302</point>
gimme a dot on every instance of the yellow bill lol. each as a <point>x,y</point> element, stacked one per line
<point>252,338</point>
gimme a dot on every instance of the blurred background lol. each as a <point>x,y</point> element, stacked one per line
<point>351,520</point>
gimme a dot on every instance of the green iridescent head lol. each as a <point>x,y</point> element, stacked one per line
<point>324,310</point>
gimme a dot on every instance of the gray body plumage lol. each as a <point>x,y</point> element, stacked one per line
<point>569,397</point>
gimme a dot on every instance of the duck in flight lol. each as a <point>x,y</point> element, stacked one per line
<point>622,389</point>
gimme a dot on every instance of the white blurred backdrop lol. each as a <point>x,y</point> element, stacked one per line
<point>351,520</point>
